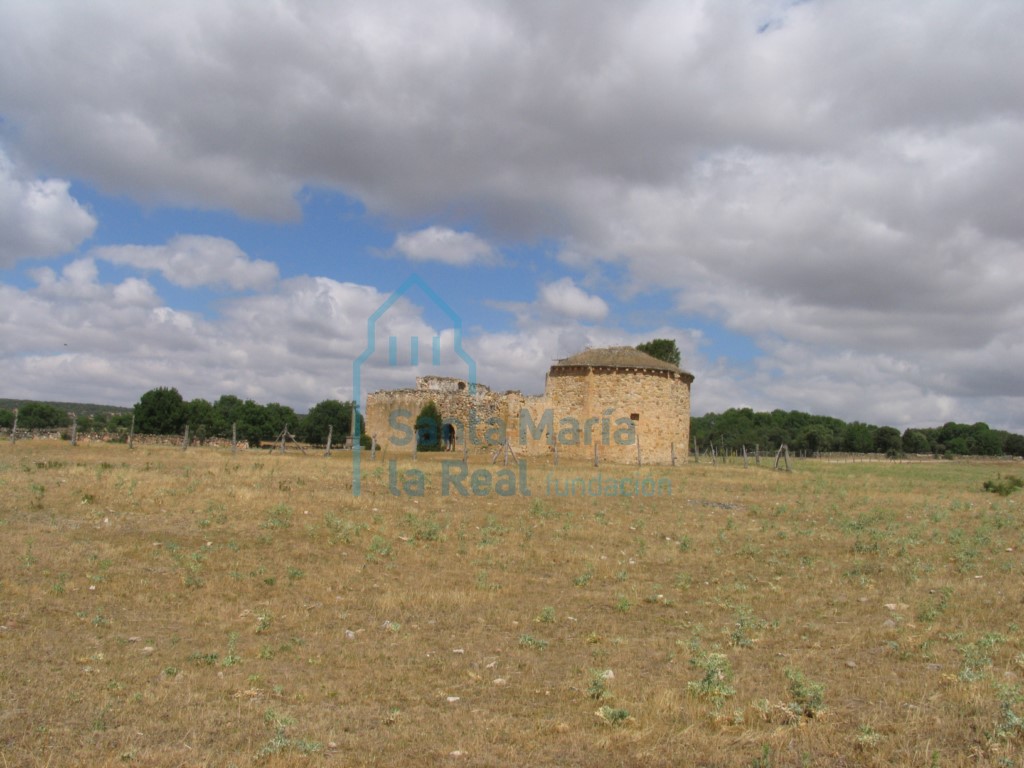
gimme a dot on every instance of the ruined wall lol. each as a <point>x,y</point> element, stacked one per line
<point>391,415</point>
<point>581,406</point>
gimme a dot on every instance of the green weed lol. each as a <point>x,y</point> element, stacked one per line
<point>746,622</point>
<point>278,516</point>
<point>1003,486</point>
<point>613,716</point>
<point>379,547</point>
<point>598,688</point>
<point>808,696</point>
<point>584,578</point>
<point>715,683</point>
<point>529,641</point>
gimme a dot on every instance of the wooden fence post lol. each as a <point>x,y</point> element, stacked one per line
<point>14,427</point>
<point>783,453</point>
<point>74,428</point>
<point>330,434</point>
<point>184,442</point>
<point>234,437</point>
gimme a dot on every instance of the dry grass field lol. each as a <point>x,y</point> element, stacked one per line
<point>169,608</point>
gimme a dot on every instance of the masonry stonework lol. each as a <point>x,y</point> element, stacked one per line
<point>621,400</point>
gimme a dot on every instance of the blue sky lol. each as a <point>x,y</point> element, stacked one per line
<point>216,197</point>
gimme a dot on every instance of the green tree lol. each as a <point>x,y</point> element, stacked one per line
<point>888,439</point>
<point>663,349</point>
<point>200,418</point>
<point>1014,445</point>
<point>160,411</point>
<point>118,422</point>
<point>251,420</point>
<point>428,428</point>
<point>859,437</point>
<point>952,438</point>
<point>226,410</point>
<point>815,438</point>
<point>253,424</point>
<point>323,416</point>
<point>986,441</point>
<point>915,441</point>
<point>281,416</point>
<point>41,416</point>
<point>6,418</point>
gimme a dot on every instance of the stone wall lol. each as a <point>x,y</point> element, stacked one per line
<point>391,415</point>
<point>618,408</point>
<point>613,408</point>
<point>84,438</point>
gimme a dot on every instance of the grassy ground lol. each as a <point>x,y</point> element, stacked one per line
<point>199,608</point>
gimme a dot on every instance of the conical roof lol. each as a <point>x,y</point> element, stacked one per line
<point>615,357</point>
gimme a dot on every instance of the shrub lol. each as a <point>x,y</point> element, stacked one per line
<point>613,715</point>
<point>1004,486</point>
<point>809,697</point>
<point>715,684</point>
<point>428,429</point>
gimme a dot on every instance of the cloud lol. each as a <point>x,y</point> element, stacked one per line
<point>559,303</point>
<point>195,260</point>
<point>446,246</point>
<point>38,217</point>
<point>75,337</point>
<point>740,156</point>
<point>563,297</point>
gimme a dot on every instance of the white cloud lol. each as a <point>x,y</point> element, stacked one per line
<point>195,260</point>
<point>75,337</point>
<point>446,246</point>
<point>563,297</point>
<point>742,156</point>
<point>38,217</point>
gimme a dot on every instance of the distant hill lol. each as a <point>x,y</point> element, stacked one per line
<point>80,409</point>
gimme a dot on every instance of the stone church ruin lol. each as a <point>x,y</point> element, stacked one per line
<point>619,402</point>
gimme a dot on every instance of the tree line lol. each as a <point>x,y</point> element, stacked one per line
<point>39,415</point>
<point>739,427</point>
<point>163,411</point>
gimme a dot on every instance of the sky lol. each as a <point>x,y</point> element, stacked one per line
<point>820,201</point>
